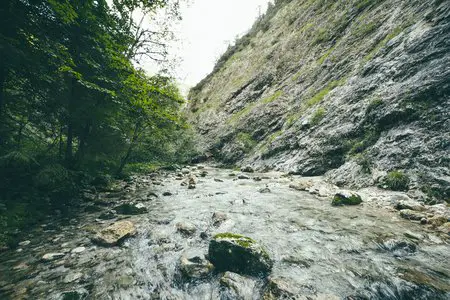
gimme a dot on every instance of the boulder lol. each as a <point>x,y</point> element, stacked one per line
<point>186,228</point>
<point>411,215</point>
<point>114,234</point>
<point>247,169</point>
<point>346,198</point>
<point>108,215</point>
<point>398,247</point>
<point>80,294</point>
<point>239,254</point>
<point>131,209</point>
<point>235,286</point>
<point>218,218</point>
<point>242,176</point>
<point>195,267</point>
<point>437,221</point>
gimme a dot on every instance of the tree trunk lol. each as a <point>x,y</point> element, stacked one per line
<point>2,98</point>
<point>69,142</point>
<point>124,159</point>
<point>82,142</point>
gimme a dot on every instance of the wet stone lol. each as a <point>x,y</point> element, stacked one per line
<point>186,228</point>
<point>195,267</point>
<point>411,215</point>
<point>131,209</point>
<point>239,254</point>
<point>115,233</point>
<point>235,286</point>
<point>52,256</point>
<point>346,198</point>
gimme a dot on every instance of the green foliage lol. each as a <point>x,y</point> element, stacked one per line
<point>74,109</point>
<point>246,140</point>
<point>364,162</point>
<point>318,97</point>
<point>272,98</point>
<point>318,115</point>
<point>363,4</point>
<point>396,181</point>
<point>374,104</point>
<point>369,138</point>
<point>383,43</point>
<point>325,55</point>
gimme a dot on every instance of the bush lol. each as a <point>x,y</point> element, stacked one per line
<point>396,181</point>
<point>318,115</point>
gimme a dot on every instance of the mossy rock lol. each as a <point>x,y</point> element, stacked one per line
<point>239,254</point>
<point>346,198</point>
<point>131,209</point>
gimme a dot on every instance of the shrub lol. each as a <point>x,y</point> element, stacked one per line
<point>318,115</point>
<point>246,140</point>
<point>396,181</point>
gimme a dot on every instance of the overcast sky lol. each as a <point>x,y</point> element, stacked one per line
<point>208,26</point>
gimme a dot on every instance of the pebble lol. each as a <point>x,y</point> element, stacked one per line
<point>78,250</point>
<point>24,243</point>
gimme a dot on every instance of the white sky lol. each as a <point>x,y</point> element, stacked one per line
<point>207,28</point>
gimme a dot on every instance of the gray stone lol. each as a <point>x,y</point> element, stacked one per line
<point>52,256</point>
<point>187,229</point>
<point>195,267</point>
<point>412,215</point>
<point>237,287</point>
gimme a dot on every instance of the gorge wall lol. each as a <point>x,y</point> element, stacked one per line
<point>351,89</point>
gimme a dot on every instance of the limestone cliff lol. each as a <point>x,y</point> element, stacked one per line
<point>352,89</point>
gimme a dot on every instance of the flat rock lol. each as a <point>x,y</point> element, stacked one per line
<point>114,234</point>
<point>71,277</point>
<point>52,256</point>
<point>412,215</point>
<point>78,250</point>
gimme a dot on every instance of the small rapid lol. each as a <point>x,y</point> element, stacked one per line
<point>319,251</point>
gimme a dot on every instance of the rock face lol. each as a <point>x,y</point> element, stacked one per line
<point>352,90</point>
<point>240,254</point>
<point>114,234</point>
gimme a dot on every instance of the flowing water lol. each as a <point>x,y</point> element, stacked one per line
<point>364,251</point>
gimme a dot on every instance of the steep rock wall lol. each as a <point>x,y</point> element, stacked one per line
<point>352,89</point>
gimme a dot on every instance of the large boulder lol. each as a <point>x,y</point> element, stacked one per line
<point>346,198</point>
<point>239,254</point>
<point>114,234</point>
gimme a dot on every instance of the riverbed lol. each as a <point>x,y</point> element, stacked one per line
<point>319,251</point>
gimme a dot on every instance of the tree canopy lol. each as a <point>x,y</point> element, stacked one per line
<point>73,104</point>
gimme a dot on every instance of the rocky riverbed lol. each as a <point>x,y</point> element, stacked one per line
<point>150,238</point>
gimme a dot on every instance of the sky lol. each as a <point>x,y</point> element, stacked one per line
<point>204,33</point>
